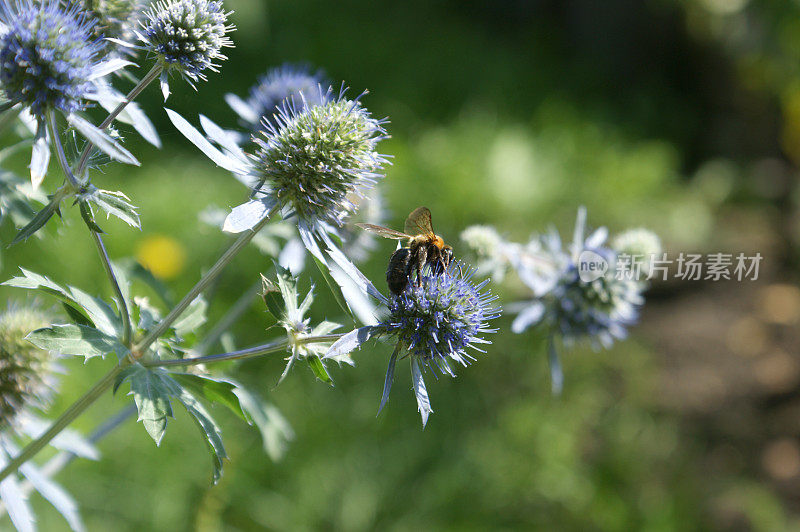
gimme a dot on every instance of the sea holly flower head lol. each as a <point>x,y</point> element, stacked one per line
<point>48,55</point>
<point>27,373</point>
<point>293,82</point>
<point>492,251</point>
<point>637,246</point>
<point>436,320</point>
<point>315,157</point>
<point>186,36</point>
<point>578,292</point>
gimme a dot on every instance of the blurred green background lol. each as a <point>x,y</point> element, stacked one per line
<point>682,116</point>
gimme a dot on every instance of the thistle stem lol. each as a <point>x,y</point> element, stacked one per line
<point>152,75</point>
<point>265,349</point>
<point>62,158</point>
<point>96,238</point>
<point>123,306</point>
<point>139,349</point>
<point>63,421</point>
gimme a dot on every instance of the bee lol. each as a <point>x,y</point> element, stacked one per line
<point>424,247</point>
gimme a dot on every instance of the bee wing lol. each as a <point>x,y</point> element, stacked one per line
<point>419,222</point>
<point>385,232</point>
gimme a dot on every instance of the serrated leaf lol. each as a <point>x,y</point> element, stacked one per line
<point>36,223</point>
<point>213,390</point>
<point>272,299</point>
<point>318,368</point>
<point>275,430</point>
<point>192,318</point>
<point>208,427</point>
<point>77,340</point>
<point>98,311</point>
<point>16,504</point>
<point>76,315</point>
<point>116,204</point>
<point>151,390</point>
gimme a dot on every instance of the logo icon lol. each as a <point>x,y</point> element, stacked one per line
<point>591,266</point>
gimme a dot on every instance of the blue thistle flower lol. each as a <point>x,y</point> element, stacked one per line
<point>435,321</point>
<point>314,156</point>
<point>294,82</point>
<point>574,303</point>
<point>47,55</point>
<point>186,36</point>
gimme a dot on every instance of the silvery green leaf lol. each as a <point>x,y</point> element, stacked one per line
<point>192,318</point>
<point>109,98</point>
<point>38,221</point>
<point>226,139</point>
<point>96,310</point>
<point>213,390</point>
<point>102,140</point>
<point>531,315</point>
<point>195,137</point>
<point>76,340</point>
<point>387,383</point>
<point>241,108</point>
<point>115,203</point>
<point>55,494</point>
<point>151,390</point>
<point>16,504</point>
<point>272,298</point>
<point>421,393</point>
<point>350,341</point>
<point>275,430</point>
<point>108,67</point>
<point>350,269</point>
<point>357,301</point>
<point>319,370</point>
<point>164,82</point>
<point>248,215</point>
<point>208,427</point>
<point>293,256</point>
<point>333,285</point>
<point>580,228</point>
<point>40,156</point>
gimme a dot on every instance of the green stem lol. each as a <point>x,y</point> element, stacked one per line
<point>63,421</point>
<point>272,347</point>
<point>201,285</point>
<point>123,306</point>
<point>62,158</point>
<point>152,75</point>
<point>98,241</point>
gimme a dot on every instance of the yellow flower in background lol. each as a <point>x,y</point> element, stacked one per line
<point>162,255</point>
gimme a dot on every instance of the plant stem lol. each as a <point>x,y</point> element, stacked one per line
<point>272,347</point>
<point>152,75</point>
<point>96,238</point>
<point>63,421</point>
<point>201,285</point>
<point>123,306</point>
<point>62,158</point>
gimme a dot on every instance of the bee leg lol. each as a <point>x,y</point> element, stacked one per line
<point>418,257</point>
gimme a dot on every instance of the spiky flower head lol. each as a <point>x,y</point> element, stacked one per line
<point>186,36</point>
<point>315,156</point>
<point>26,372</point>
<point>293,82</point>
<point>47,55</point>
<point>114,18</point>
<point>441,316</point>
<point>584,297</point>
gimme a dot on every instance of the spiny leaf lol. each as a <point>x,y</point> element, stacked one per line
<point>319,370</point>
<point>116,204</point>
<point>77,340</point>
